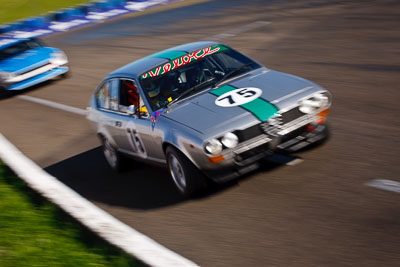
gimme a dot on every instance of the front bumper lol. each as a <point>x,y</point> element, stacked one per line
<point>42,76</point>
<point>246,157</point>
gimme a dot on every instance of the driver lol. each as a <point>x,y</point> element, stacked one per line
<point>153,91</point>
<point>159,92</point>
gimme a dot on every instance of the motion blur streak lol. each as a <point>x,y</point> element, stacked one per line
<point>53,104</point>
<point>384,184</point>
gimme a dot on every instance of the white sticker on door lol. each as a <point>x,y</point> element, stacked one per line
<point>238,97</point>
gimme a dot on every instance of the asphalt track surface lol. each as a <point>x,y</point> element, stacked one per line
<point>318,212</point>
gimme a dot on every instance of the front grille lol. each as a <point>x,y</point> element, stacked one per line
<point>274,125</point>
<point>291,115</point>
<point>271,127</point>
<point>251,153</point>
<point>248,133</point>
<point>261,139</point>
<point>295,133</point>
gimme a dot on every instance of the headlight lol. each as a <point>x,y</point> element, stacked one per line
<point>230,140</point>
<point>6,76</point>
<point>59,58</point>
<point>316,102</point>
<point>213,146</point>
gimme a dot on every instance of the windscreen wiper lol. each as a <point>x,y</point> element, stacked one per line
<point>188,91</point>
<point>230,74</point>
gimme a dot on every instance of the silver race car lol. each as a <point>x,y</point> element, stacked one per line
<point>205,111</point>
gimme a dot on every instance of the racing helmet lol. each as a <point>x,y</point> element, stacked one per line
<point>153,90</point>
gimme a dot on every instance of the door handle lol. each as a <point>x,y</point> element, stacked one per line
<point>131,131</point>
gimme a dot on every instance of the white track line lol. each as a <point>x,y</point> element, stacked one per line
<point>384,184</point>
<point>99,221</point>
<point>295,162</point>
<point>52,104</point>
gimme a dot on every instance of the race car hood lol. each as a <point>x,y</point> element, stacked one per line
<point>274,84</point>
<point>27,60</point>
<point>202,113</point>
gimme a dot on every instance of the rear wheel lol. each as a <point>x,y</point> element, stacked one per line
<point>186,177</point>
<point>114,159</point>
<point>66,75</point>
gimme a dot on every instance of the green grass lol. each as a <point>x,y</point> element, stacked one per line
<point>34,232</point>
<point>13,10</point>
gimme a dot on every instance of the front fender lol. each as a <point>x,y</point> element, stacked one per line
<point>188,144</point>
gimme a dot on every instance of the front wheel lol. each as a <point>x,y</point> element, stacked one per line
<point>3,92</point>
<point>187,178</point>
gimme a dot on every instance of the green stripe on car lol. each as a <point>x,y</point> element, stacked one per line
<point>172,54</point>
<point>222,90</point>
<point>260,108</point>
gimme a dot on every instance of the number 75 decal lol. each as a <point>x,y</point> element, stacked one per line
<point>238,97</point>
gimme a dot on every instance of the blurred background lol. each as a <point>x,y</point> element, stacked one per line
<point>320,211</point>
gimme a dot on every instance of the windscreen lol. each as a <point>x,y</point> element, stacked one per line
<point>198,70</point>
<point>18,48</point>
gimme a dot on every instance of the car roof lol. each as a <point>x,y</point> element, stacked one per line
<point>136,68</point>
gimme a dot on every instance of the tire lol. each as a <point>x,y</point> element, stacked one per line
<point>66,75</point>
<point>3,92</point>
<point>113,158</point>
<point>188,180</point>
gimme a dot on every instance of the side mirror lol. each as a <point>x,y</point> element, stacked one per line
<point>131,110</point>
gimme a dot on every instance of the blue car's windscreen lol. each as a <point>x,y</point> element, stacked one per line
<point>18,48</point>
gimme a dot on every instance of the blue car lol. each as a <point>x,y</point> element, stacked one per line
<point>26,62</point>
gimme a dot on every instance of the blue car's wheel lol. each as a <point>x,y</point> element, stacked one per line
<point>3,92</point>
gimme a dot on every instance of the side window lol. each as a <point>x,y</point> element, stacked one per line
<point>103,96</point>
<point>114,94</point>
<point>129,95</point>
